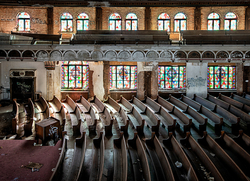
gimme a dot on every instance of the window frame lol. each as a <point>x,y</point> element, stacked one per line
<point>230,21</point>
<point>67,20</point>
<point>123,80</point>
<point>81,19</point>
<point>115,21</point>
<point>179,22</point>
<point>184,77</point>
<point>163,21</point>
<point>24,23</point>
<point>131,21</point>
<point>214,77</point>
<point>75,79</point>
<point>213,20</point>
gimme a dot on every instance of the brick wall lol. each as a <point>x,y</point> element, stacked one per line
<point>172,11</point>
<point>222,11</point>
<point>123,11</point>
<point>38,18</point>
<point>74,11</point>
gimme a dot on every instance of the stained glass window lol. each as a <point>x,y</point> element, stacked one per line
<point>221,77</point>
<point>66,22</point>
<point>230,22</point>
<point>82,21</point>
<point>115,22</point>
<point>213,21</point>
<point>123,77</point>
<point>180,22</point>
<point>23,20</point>
<point>75,75</point>
<point>164,22</point>
<point>171,77</point>
<point>131,21</point>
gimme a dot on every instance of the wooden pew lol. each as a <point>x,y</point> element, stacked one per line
<point>134,116</point>
<point>98,149</point>
<point>105,116</point>
<point>213,119</point>
<point>172,146</point>
<point>234,110</point>
<point>89,114</point>
<point>153,121</point>
<point>190,143</point>
<point>69,104</point>
<point>199,121</point>
<point>15,120</point>
<point>120,159</point>
<point>58,169</point>
<point>166,119</point>
<point>184,122</point>
<point>240,99</point>
<point>44,107</point>
<point>78,159</point>
<point>123,124</point>
<point>59,112</point>
<point>243,138</point>
<point>30,114</point>
<point>246,96</point>
<point>230,119</point>
<point>159,159</point>
<point>139,159</point>
<point>237,104</point>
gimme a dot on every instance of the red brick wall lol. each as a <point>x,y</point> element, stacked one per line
<point>38,18</point>
<point>123,11</point>
<point>222,11</point>
<point>74,11</point>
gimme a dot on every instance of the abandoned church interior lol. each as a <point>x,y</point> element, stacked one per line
<point>124,90</point>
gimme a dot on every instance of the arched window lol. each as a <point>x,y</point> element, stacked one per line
<point>82,22</point>
<point>23,20</point>
<point>164,22</point>
<point>180,22</point>
<point>213,21</point>
<point>115,22</point>
<point>131,22</point>
<point>230,22</point>
<point>66,22</point>
<point>75,75</point>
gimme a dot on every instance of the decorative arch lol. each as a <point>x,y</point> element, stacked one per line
<point>131,21</point>
<point>124,55</point>
<point>96,55</point>
<point>236,54</point>
<point>194,54</point>
<point>138,55</point>
<point>23,21</point>
<point>180,54</point>
<point>28,53</point>
<point>222,54</point>
<point>3,53</point>
<point>55,55</point>
<point>115,22</point>
<point>14,53</point>
<point>208,54</point>
<point>69,56</point>
<point>152,55</point>
<point>111,54</point>
<point>83,54</point>
<point>166,54</point>
<point>247,55</point>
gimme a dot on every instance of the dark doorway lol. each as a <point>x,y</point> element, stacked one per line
<point>22,89</point>
<point>246,79</point>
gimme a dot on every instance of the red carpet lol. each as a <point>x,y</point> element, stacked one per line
<point>14,153</point>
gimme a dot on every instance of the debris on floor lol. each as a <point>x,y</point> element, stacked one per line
<point>33,166</point>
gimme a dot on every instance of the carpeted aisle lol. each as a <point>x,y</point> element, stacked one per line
<point>15,153</point>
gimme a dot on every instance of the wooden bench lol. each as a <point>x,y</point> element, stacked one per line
<point>139,159</point>
<point>105,116</point>
<point>30,114</point>
<point>246,96</point>
<point>139,122</point>
<point>199,121</point>
<point>123,124</point>
<point>166,119</point>
<point>229,119</point>
<point>42,103</point>
<point>153,122</point>
<point>59,112</point>
<point>83,105</point>
<point>69,104</point>
<point>159,159</point>
<point>15,120</point>
<point>120,159</point>
<point>240,99</point>
<point>232,109</point>
<point>190,143</point>
<point>184,122</point>
<point>213,119</point>
<point>237,104</point>
<point>171,142</point>
<point>243,138</point>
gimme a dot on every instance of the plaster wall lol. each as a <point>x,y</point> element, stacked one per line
<point>40,73</point>
<point>196,79</point>
<point>97,78</point>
